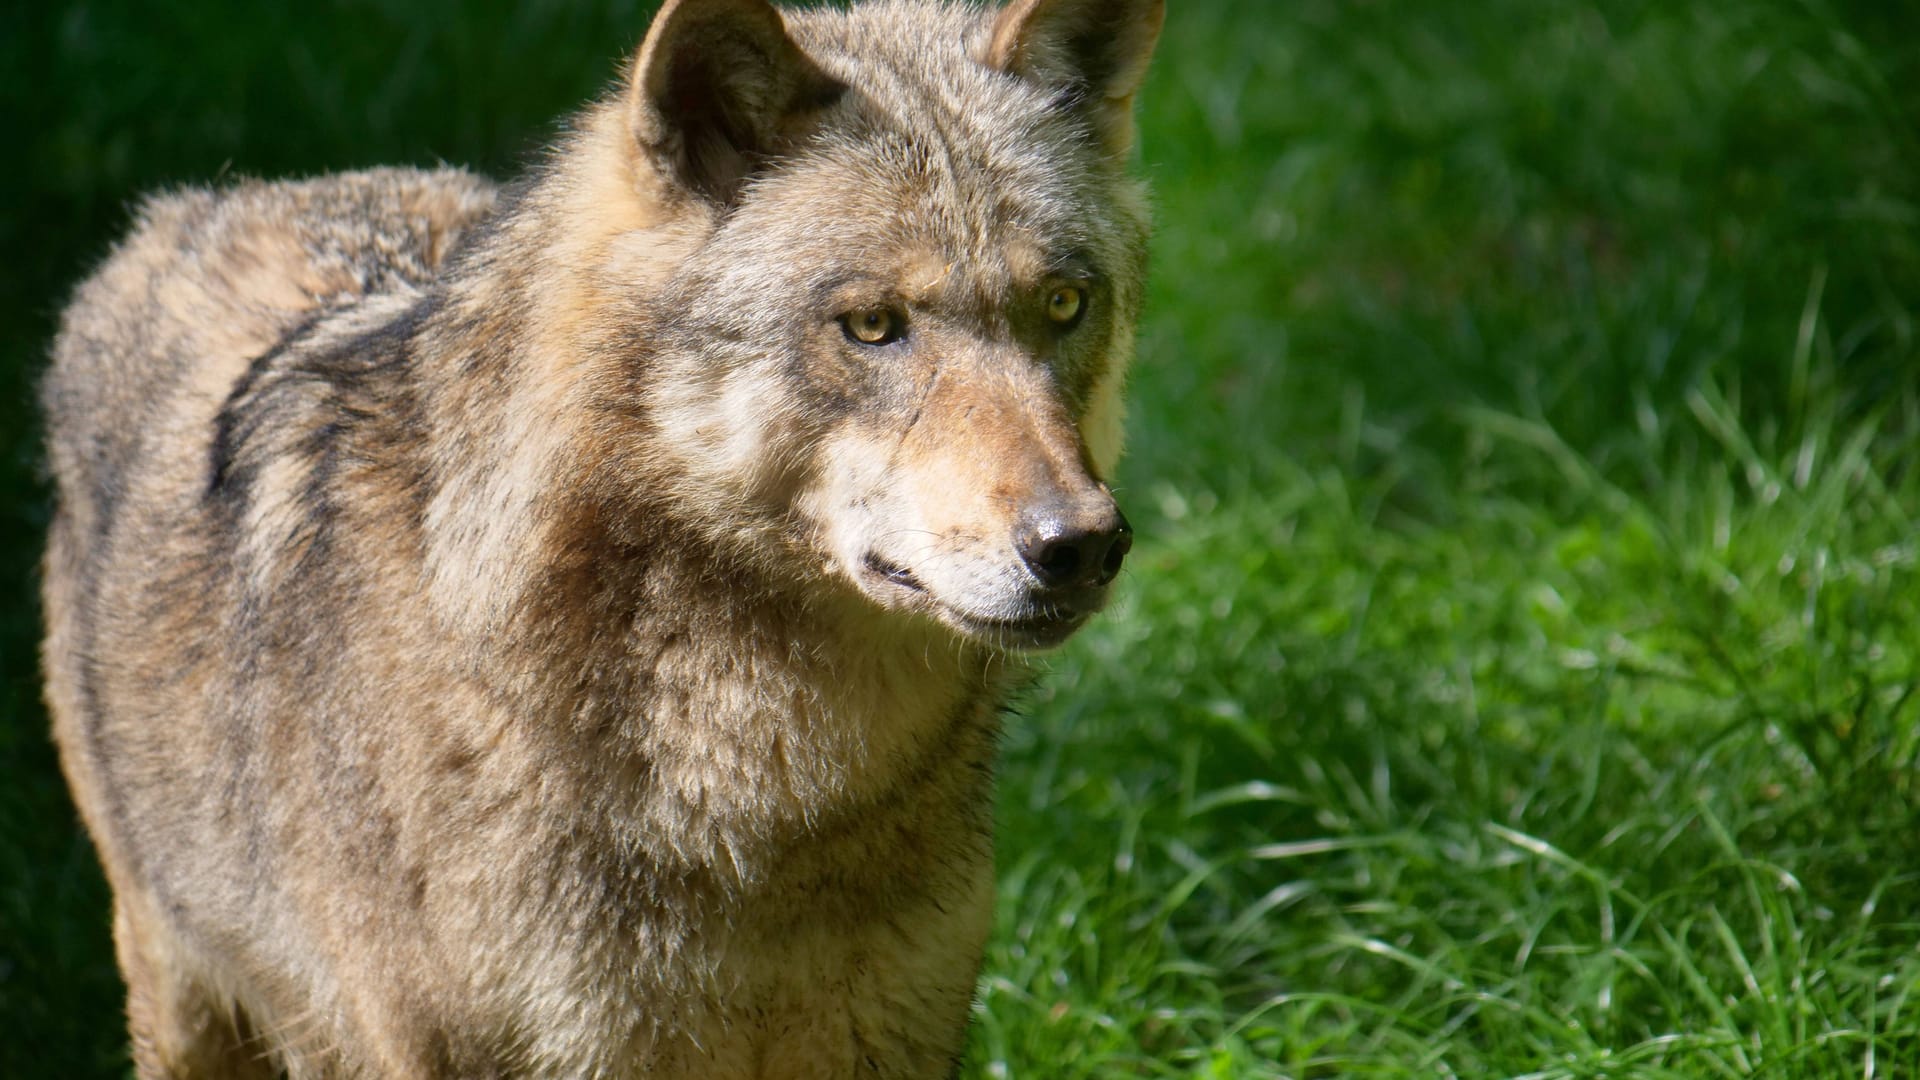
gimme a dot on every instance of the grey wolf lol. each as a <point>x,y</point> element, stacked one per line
<point>561,630</point>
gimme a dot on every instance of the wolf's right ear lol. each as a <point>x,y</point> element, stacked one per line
<point>717,88</point>
<point>1095,50</point>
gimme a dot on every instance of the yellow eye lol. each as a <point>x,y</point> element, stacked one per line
<point>873,326</point>
<point>1065,305</point>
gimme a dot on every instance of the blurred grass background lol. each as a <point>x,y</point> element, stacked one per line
<point>1516,673</point>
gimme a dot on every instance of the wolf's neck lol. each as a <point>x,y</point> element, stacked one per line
<point>746,722</point>
<point>523,347</point>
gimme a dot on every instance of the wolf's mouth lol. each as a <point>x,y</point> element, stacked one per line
<point>1034,632</point>
<point>1045,628</point>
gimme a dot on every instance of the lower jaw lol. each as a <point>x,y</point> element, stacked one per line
<point>1031,635</point>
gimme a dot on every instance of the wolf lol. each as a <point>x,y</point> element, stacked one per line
<point>561,630</point>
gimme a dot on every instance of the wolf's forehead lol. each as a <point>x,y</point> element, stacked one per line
<point>961,145</point>
<point>934,219</point>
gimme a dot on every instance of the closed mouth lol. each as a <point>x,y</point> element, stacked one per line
<point>1048,625</point>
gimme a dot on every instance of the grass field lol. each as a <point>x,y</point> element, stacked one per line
<point>1517,672</point>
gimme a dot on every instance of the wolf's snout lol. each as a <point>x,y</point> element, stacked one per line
<point>1066,546</point>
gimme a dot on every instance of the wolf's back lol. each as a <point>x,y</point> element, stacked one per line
<point>209,280</point>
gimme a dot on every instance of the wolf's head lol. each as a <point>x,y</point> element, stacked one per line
<point>895,343</point>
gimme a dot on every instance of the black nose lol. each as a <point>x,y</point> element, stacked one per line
<point>1064,548</point>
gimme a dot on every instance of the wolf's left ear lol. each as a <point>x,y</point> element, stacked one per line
<point>718,87</point>
<point>1095,49</point>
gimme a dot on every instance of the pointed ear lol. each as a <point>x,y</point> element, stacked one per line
<point>1095,49</point>
<point>717,88</point>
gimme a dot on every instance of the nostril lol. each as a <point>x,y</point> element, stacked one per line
<point>1059,555</point>
<point>1059,561</point>
<point>1116,553</point>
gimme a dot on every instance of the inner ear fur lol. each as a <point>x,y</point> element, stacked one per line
<point>1096,50</point>
<point>718,88</point>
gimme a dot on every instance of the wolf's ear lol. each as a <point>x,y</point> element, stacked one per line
<point>717,88</point>
<point>1096,50</point>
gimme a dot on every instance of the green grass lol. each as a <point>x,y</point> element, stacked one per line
<point>1519,671</point>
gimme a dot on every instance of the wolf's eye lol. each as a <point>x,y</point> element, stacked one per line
<point>1066,304</point>
<point>872,326</point>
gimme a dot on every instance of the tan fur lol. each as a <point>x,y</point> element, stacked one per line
<point>529,634</point>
